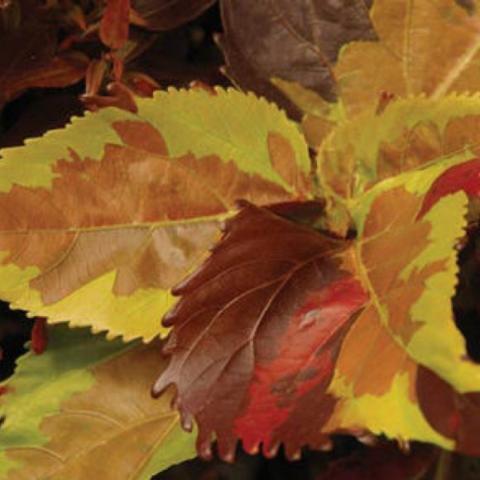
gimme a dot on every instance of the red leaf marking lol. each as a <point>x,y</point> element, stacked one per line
<point>465,176</point>
<point>257,333</point>
<point>306,359</point>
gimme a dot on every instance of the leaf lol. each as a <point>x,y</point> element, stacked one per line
<point>84,406</point>
<point>409,322</point>
<point>39,336</point>
<point>168,14</point>
<point>60,71</point>
<point>114,23</point>
<point>410,134</point>
<point>318,336</point>
<point>233,360</point>
<point>408,58</point>
<point>99,220</point>
<point>319,116</point>
<point>380,462</point>
<point>31,56</point>
<point>453,414</point>
<point>297,41</point>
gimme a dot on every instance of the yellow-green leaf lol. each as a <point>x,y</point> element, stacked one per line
<point>99,220</point>
<point>85,406</point>
<point>409,134</point>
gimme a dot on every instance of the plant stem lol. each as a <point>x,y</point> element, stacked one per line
<point>444,463</point>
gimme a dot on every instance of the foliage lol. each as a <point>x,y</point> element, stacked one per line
<point>307,269</point>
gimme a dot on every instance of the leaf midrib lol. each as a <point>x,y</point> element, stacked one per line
<point>143,225</point>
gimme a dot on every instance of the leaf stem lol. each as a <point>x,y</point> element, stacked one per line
<point>444,464</point>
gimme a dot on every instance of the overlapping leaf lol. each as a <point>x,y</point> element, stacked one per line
<point>99,220</point>
<point>256,336</point>
<point>326,335</point>
<point>114,24</point>
<point>84,406</point>
<point>297,41</point>
<point>430,47</point>
<point>408,134</point>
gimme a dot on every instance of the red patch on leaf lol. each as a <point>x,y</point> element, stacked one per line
<point>305,361</point>
<point>465,176</point>
<point>257,332</point>
<point>39,338</point>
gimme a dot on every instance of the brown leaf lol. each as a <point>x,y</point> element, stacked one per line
<point>169,14</point>
<point>382,462</point>
<point>424,47</point>
<point>39,336</point>
<point>60,71</point>
<point>453,414</point>
<point>114,24</point>
<point>294,40</point>
<point>257,333</point>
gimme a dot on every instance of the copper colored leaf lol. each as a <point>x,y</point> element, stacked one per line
<point>114,24</point>
<point>169,14</point>
<point>30,55</point>
<point>39,336</point>
<point>59,71</point>
<point>294,40</point>
<point>234,362</point>
<point>84,406</point>
<point>99,220</point>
